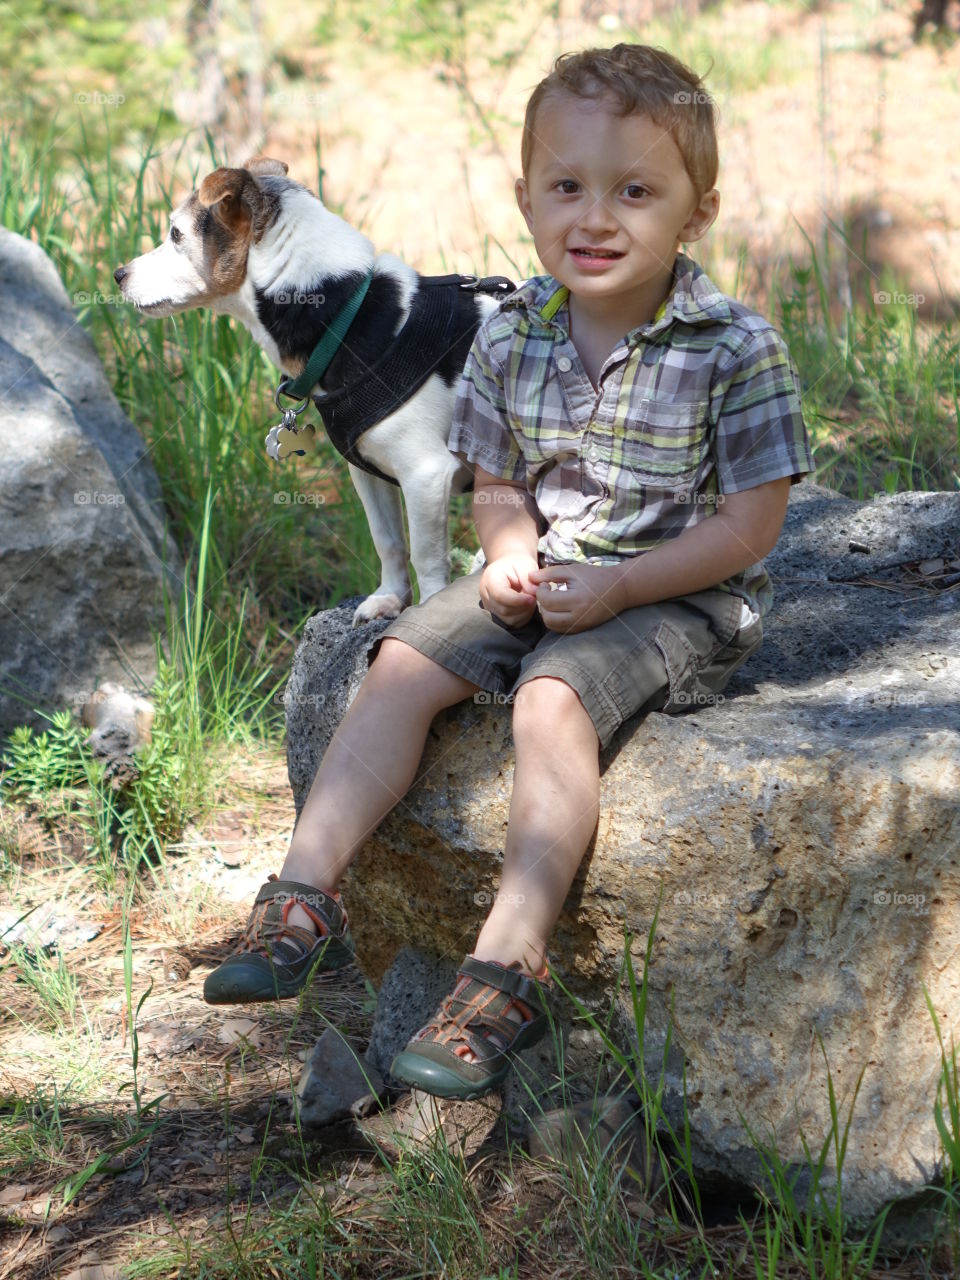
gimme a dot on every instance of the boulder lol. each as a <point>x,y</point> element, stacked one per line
<point>82,541</point>
<point>800,837</point>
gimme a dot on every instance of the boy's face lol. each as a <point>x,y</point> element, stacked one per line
<point>608,198</point>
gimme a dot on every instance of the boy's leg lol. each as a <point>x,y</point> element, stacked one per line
<point>371,760</point>
<point>497,1005</point>
<point>553,813</point>
<point>367,767</point>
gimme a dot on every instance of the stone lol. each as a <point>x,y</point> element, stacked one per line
<point>334,1078</point>
<point>797,842</point>
<point>82,542</point>
<point>120,722</point>
<point>417,1120</point>
<point>609,1127</point>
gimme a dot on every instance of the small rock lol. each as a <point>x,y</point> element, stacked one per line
<point>929,567</point>
<point>121,721</point>
<point>609,1126</point>
<point>334,1078</point>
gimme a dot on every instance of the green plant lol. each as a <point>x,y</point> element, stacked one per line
<point>946,1114</point>
<point>49,977</point>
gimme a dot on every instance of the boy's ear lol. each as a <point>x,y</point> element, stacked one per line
<point>702,218</point>
<point>523,200</point>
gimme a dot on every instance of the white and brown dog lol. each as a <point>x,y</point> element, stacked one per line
<point>253,243</point>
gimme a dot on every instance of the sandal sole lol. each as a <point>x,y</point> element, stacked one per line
<point>256,984</point>
<point>421,1073</point>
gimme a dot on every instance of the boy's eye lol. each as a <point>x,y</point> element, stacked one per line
<point>568,187</point>
<point>176,235</point>
<point>634,191</point>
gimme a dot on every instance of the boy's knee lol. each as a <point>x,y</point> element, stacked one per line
<point>545,698</point>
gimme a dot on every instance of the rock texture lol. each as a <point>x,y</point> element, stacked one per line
<point>335,1079</point>
<point>82,543</point>
<point>803,833</point>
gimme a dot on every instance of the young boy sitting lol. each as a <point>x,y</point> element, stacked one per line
<point>635,434</point>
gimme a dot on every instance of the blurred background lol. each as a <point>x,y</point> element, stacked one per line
<point>839,213</point>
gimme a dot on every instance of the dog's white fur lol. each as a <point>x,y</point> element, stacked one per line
<point>306,243</point>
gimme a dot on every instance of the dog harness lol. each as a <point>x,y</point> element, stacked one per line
<point>442,320</point>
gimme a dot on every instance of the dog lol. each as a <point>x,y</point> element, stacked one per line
<point>255,244</point>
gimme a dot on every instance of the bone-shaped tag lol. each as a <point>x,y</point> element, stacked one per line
<point>284,442</point>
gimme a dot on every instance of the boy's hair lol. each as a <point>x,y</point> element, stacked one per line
<point>642,80</point>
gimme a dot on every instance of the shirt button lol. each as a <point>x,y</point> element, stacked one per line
<point>564,364</point>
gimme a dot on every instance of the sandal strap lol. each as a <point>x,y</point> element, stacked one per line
<point>475,1013</point>
<point>331,912</point>
<point>522,986</point>
<point>268,930</point>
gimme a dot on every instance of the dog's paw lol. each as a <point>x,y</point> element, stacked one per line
<point>388,606</point>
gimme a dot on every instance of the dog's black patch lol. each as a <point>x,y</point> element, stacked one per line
<point>297,321</point>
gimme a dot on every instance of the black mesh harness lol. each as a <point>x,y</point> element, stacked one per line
<point>442,320</point>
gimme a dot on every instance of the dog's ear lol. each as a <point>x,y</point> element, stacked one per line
<point>260,165</point>
<point>223,192</point>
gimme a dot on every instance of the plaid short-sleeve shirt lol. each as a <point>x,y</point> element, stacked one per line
<point>702,401</point>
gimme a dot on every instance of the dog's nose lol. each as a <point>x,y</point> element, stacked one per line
<point>119,274</point>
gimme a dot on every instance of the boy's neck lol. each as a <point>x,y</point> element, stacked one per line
<point>598,325</point>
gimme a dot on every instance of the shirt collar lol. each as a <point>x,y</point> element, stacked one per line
<point>694,299</point>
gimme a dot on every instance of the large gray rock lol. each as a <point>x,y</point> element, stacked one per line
<point>82,542</point>
<point>803,833</point>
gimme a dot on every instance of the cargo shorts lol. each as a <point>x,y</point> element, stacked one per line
<point>676,655</point>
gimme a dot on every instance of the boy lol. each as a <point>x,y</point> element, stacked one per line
<point>635,435</point>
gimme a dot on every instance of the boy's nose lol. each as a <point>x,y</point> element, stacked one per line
<point>597,217</point>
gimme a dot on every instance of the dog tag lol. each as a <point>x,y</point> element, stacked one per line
<point>286,440</point>
<point>291,442</point>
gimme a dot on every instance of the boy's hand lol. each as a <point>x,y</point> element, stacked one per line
<point>593,595</point>
<point>506,588</point>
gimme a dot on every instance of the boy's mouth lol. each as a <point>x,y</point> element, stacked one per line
<point>585,252</point>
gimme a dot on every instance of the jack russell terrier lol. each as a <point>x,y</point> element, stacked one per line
<point>378,347</point>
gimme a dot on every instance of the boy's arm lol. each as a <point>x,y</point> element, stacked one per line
<point>506,516</point>
<point>507,522</point>
<point>744,530</point>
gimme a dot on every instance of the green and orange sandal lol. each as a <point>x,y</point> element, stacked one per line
<point>473,1019</point>
<point>277,959</point>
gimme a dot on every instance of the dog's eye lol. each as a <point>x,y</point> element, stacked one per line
<point>176,235</point>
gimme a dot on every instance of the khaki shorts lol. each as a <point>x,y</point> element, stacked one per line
<point>673,656</point>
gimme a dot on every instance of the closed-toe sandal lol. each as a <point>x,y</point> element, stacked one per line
<point>276,959</point>
<point>474,1019</point>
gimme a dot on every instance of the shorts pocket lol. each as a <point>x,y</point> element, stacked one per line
<point>681,663</point>
<point>665,442</point>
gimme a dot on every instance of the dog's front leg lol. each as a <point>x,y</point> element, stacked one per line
<point>426,492</point>
<point>381,503</point>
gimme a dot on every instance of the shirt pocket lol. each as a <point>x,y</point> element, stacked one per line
<point>665,442</point>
